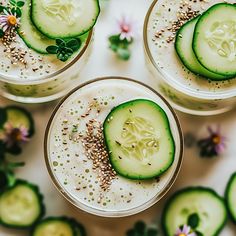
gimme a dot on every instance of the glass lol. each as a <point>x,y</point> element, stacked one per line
<point>52,148</point>
<point>47,88</point>
<point>196,96</point>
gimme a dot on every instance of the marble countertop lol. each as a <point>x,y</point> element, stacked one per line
<point>213,173</point>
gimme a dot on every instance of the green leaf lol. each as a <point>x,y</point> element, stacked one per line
<point>18,12</point>
<point>1,33</point>
<point>3,181</point>
<point>60,42</point>
<point>198,233</point>
<point>13,2</point>
<point>74,44</point>
<point>62,57</point>
<point>69,51</point>
<point>53,49</point>
<point>152,232</point>
<point>20,3</point>
<point>3,117</point>
<point>114,47</point>
<point>140,227</point>
<point>193,220</point>
<point>123,54</point>
<point>114,39</point>
<point>2,8</point>
<point>14,150</point>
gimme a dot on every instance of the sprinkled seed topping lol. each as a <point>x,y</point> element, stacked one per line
<point>184,14</point>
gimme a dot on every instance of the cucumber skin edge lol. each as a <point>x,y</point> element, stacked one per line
<point>106,143</point>
<point>70,221</point>
<point>70,36</point>
<point>233,218</point>
<point>229,76</point>
<point>187,189</point>
<point>35,188</point>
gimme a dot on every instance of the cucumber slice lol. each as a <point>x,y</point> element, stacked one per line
<point>204,202</point>
<point>214,39</point>
<point>139,140</point>
<point>183,47</point>
<point>29,33</point>
<point>64,19</point>
<point>230,196</point>
<point>21,205</point>
<point>58,226</point>
<point>19,116</point>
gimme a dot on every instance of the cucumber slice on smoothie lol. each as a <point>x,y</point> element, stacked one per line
<point>214,39</point>
<point>57,226</point>
<point>183,47</point>
<point>202,204</point>
<point>21,205</point>
<point>139,139</point>
<point>230,197</point>
<point>29,33</point>
<point>64,19</point>
<point>18,116</point>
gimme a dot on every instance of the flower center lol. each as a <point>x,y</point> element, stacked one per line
<point>125,28</point>
<point>11,20</point>
<point>182,234</point>
<point>16,134</point>
<point>216,139</point>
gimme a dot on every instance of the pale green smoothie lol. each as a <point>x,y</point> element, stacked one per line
<point>73,171</point>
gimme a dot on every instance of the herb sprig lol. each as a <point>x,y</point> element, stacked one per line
<point>64,48</point>
<point>142,229</point>
<point>16,7</point>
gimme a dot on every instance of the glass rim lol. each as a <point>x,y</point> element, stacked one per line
<point>51,76</point>
<point>174,83</point>
<point>113,213</point>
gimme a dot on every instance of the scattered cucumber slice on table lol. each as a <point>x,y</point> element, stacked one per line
<point>230,197</point>
<point>19,116</point>
<point>57,226</point>
<point>183,47</point>
<point>202,202</point>
<point>214,39</point>
<point>21,206</point>
<point>29,33</point>
<point>64,19</point>
<point>139,139</point>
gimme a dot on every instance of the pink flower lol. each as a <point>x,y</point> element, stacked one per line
<point>8,20</point>
<point>127,28</point>
<point>214,144</point>
<point>12,136</point>
<point>184,231</point>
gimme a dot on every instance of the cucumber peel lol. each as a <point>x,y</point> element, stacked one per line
<point>230,197</point>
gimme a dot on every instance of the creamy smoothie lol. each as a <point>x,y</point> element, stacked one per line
<point>186,91</point>
<point>90,184</point>
<point>29,71</point>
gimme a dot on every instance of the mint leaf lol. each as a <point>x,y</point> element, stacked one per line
<point>123,53</point>
<point>193,220</point>
<point>74,44</point>
<point>60,42</point>
<point>52,49</point>
<point>152,232</point>
<point>18,12</point>
<point>20,4</point>
<point>13,2</point>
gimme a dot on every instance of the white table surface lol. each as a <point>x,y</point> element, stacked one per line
<point>195,171</point>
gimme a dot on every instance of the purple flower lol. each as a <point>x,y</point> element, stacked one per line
<point>8,20</point>
<point>214,144</point>
<point>184,231</point>
<point>13,136</point>
<point>127,28</point>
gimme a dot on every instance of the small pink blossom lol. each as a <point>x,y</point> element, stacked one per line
<point>8,20</point>
<point>13,136</point>
<point>184,231</point>
<point>127,28</point>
